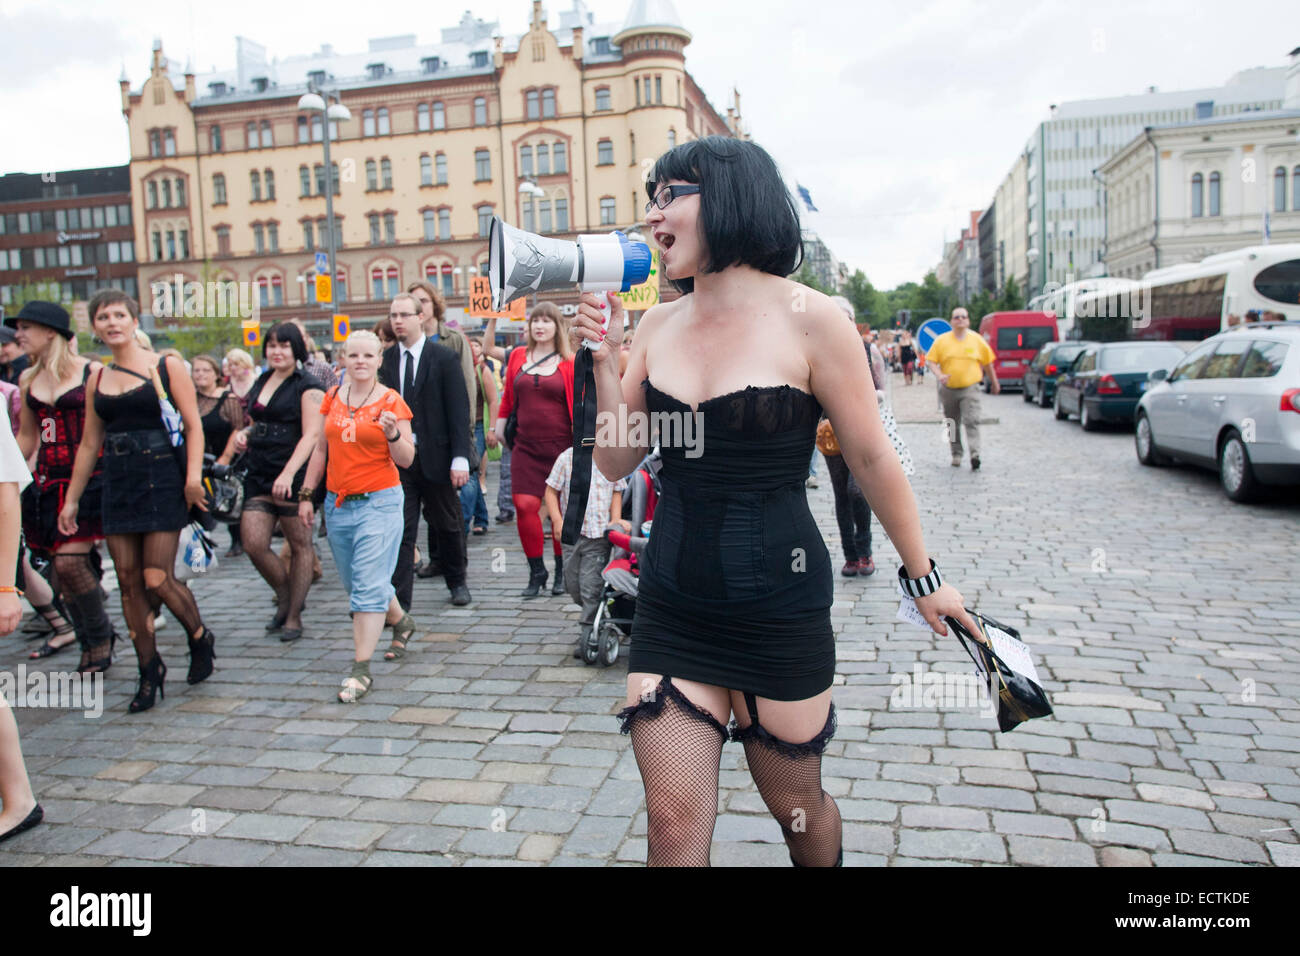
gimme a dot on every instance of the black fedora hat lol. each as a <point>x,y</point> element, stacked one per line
<point>48,314</point>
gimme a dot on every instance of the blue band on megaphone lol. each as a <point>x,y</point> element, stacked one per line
<point>636,262</point>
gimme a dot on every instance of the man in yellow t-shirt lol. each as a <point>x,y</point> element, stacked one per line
<point>960,359</point>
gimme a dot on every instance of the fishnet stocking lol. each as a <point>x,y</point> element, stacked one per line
<point>789,779</point>
<point>79,584</point>
<point>678,748</point>
<point>133,554</point>
<point>255,528</point>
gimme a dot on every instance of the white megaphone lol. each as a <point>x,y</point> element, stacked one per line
<point>520,262</point>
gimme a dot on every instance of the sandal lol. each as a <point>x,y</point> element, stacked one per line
<point>49,649</point>
<point>354,688</point>
<point>403,631</point>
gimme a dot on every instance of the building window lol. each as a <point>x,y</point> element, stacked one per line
<point>308,240</point>
<point>393,287</point>
<point>672,138</point>
<point>484,221</point>
<point>171,245</point>
<point>259,238</point>
<point>151,194</point>
<point>440,167</point>
<point>605,153</point>
<point>155,143</point>
<point>374,228</point>
<point>368,123</point>
<point>169,143</point>
<point>223,240</point>
<point>166,194</point>
<point>377,283</point>
<point>426,170</point>
<point>1214,194</point>
<point>439,116</point>
<point>544,216</point>
<point>448,284</point>
<point>304,181</point>
<point>214,139</point>
<point>390,228</point>
<point>317,128</point>
<point>372,176</point>
<point>384,128</point>
<point>386,172</point>
<point>255,185</point>
<point>533,99</point>
<point>185,243</point>
<point>603,99</point>
<point>156,238</point>
<point>1295,189</point>
<point>180,201</point>
<point>1279,190</point>
<point>263,292</point>
<point>607,211</point>
<point>303,135</point>
<point>482,166</point>
<point>250,135</point>
<point>267,141</point>
<point>334,173</point>
<point>543,160</point>
<point>444,224</point>
<point>422,118</point>
<point>341,285</point>
<point>320,179</point>
<point>1197,197</point>
<point>646,82</point>
<point>272,236</point>
<point>526,161</point>
<point>561,215</point>
<point>548,103</point>
<point>268,177</point>
<point>430,226</point>
<point>480,111</point>
<point>659,89</point>
<point>529,221</point>
<point>561,154</point>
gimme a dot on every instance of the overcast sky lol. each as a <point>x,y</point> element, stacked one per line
<point>899,117</point>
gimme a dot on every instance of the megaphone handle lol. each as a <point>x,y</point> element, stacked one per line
<point>604,311</point>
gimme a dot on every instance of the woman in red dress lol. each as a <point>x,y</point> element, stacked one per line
<point>539,389</point>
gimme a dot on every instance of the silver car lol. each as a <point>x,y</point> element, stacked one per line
<point>1233,404</point>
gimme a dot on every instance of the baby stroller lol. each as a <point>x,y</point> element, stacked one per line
<point>613,618</point>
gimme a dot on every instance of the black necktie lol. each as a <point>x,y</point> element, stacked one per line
<point>408,378</point>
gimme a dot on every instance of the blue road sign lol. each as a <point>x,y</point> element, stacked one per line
<point>930,330</point>
<point>322,262</point>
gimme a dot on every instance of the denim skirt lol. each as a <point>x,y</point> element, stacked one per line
<point>144,488</point>
<point>365,536</point>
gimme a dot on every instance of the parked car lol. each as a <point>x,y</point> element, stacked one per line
<point>1016,338</point>
<point>1107,379</point>
<point>1051,362</point>
<point>1231,404</point>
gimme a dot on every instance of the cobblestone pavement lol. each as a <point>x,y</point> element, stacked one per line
<point>1164,619</point>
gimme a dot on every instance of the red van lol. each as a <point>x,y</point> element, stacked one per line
<point>1016,338</point>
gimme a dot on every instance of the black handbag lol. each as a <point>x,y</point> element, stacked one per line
<point>512,420</point>
<point>1019,698</point>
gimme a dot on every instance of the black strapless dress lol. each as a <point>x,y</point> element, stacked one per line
<point>736,582</point>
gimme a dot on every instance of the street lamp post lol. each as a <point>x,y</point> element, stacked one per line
<point>314,102</point>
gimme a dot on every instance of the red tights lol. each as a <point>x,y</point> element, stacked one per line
<point>529,519</point>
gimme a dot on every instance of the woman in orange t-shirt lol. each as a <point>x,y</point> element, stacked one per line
<point>367,435</point>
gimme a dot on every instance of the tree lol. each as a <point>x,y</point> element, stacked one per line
<point>805,276</point>
<point>211,334</point>
<point>871,306</point>
<point>1011,299</point>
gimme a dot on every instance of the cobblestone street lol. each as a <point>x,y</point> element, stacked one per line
<point>1164,620</point>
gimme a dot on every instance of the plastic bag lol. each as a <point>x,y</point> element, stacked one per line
<point>196,553</point>
<point>1008,668</point>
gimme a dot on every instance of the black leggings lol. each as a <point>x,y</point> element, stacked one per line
<point>851,511</point>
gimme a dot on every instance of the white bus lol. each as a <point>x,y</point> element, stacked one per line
<point>1194,300</point>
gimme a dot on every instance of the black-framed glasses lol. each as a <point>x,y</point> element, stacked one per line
<point>669,193</point>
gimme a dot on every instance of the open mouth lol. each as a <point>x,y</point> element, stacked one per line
<point>666,240</point>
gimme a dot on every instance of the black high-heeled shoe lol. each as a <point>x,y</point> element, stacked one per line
<point>152,676</point>
<point>100,667</point>
<point>202,654</point>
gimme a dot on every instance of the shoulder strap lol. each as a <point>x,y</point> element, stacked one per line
<point>143,378</point>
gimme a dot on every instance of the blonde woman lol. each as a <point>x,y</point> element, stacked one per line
<point>53,418</point>
<point>539,388</point>
<point>367,435</point>
<point>241,373</point>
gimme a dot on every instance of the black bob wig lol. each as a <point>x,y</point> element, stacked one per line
<point>747,215</point>
<point>286,333</point>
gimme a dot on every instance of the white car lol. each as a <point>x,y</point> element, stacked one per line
<point>1233,404</point>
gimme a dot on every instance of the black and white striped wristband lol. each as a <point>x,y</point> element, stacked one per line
<point>920,587</point>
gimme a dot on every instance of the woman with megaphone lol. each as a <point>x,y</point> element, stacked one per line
<point>733,609</point>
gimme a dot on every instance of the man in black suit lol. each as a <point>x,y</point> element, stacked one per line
<point>428,377</point>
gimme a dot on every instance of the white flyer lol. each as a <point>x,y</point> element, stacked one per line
<point>909,613</point>
<point>1014,653</point>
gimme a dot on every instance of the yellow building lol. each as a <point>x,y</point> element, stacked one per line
<point>226,168</point>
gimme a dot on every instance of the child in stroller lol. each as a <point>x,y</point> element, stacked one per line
<point>628,537</point>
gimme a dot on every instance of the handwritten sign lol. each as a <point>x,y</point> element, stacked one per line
<point>643,296</point>
<point>480,302</point>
